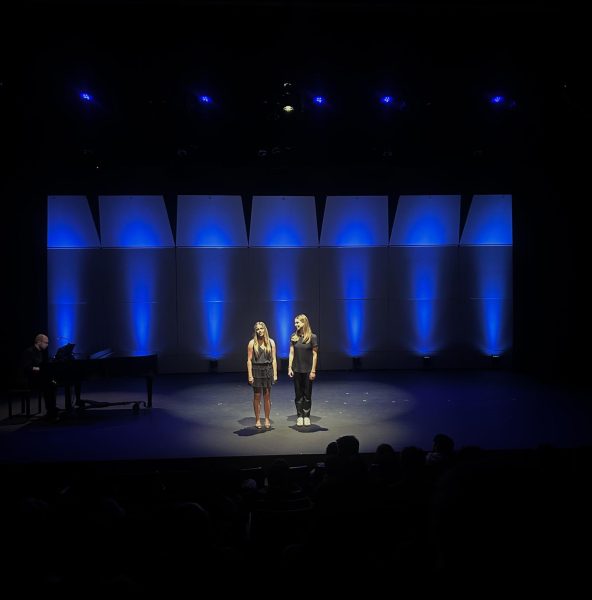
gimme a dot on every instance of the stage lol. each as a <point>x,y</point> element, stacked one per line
<point>211,415</point>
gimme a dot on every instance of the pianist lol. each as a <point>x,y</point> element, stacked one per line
<point>36,378</point>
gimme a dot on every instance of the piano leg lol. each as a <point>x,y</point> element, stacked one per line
<point>149,380</point>
<point>68,396</point>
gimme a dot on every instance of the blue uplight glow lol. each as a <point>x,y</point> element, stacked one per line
<point>140,280</point>
<point>138,234</point>
<point>426,221</point>
<point>67,330</point>
<point>354,274</point>
<point>65,277</point>
<point>134,222</point>
<point>282,326</point>
<point>354,315</point>
<point>493,282</point>
<point>213,235</point>
<point>425,277</point>
<point>283,221</point>
<point>489,222</point>
<point>282,281</point>
<point>354,271</point>
<point>355,234</point>
<point>210,221</point>
<point>214,315</point>
<point>428,231</point>
<point>142,319</point>
<point>70,223</point>
<point>424,290</point>
<point>355,221</point>
<point>63,235</point>
<point>424,326</point>
<point>492,320</point>
<point>212,297</point>
<point>285,233</point>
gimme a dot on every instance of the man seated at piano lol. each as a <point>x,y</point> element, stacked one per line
<point>36,377</point>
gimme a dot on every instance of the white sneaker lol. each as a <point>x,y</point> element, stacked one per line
<point>299,421</point>
<point>306,421</point>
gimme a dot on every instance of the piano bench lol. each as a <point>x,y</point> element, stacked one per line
<point>24,395</point>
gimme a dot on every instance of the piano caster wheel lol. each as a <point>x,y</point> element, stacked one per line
<point>136,408</point>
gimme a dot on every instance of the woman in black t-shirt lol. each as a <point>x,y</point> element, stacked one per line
<point>302,367</point>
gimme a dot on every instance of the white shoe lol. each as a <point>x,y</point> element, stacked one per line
<point>306,421</point>
<point>299,422</point>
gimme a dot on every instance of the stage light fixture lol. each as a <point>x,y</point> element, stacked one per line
<point>500,101</point>
<point>288,100</point>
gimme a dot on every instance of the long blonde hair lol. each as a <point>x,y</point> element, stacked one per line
<point>266,342</point>
<point>306,330</point>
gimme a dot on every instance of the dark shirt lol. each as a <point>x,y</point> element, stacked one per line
<point>302,362</point>
<point>263,358</point>
<point>32,357</point>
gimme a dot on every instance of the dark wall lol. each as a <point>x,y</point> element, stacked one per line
<point>537,153</point>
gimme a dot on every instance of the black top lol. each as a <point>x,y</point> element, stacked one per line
<point>302,362</point>
<point>32,357</point>
<point>263,358</point>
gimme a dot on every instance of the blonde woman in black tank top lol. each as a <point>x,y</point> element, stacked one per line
<point>261,370</point>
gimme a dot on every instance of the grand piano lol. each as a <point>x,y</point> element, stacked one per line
<point>70,371</point>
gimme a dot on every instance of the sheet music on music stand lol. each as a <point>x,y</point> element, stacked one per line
<point>65,352</point>
<point>101,354</point>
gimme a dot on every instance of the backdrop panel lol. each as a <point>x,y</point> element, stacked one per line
<point>210,221</point>
<point>423,272</point>
<point>353,273</point>
<point>283,274</point>
<point>420,327</point>
<point>426,221</point>
<point>215,331</point>
<point>140,301</point>
<point>212,298</point>
<point>355,221</point>
<point>485,272</point>
<point>354,328</point>
<point>284,222</point>
<point>76,309</point>
<point>70,223</point>
<point>134,222</point>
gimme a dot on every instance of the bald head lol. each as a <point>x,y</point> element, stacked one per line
<point>41,341</point>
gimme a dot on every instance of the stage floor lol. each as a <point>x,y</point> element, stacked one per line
<point>211,415</point>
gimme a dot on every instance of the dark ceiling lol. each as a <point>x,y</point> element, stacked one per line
<point>145,64</point>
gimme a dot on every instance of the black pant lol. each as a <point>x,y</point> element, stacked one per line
<point>40,383</point>
<point>303,389</point>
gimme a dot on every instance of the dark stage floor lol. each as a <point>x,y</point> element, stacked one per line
<point>204,416</point>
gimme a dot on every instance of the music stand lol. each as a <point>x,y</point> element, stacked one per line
<point>65,352</point>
